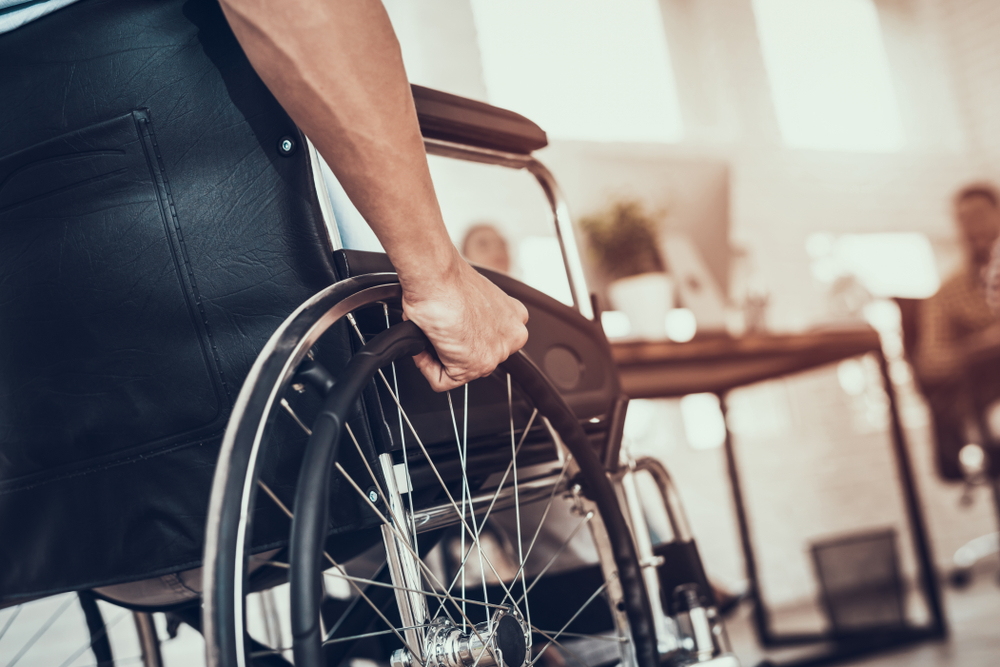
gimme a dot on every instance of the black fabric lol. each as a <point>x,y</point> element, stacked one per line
<point>152,237</point>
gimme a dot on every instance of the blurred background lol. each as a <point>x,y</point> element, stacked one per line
<point>785,167</point>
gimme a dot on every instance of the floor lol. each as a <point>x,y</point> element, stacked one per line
<point>973,614</point>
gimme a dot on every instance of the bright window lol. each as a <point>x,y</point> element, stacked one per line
<point>887,264</point>
<point>829,74</point>
<point>582,69</point>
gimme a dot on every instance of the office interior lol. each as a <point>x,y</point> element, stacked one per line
<point>797,161</point>
<point>808,152</point>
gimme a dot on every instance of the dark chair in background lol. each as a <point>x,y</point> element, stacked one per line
<point>968,461</point>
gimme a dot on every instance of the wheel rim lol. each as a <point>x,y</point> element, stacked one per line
<point>286,349</point>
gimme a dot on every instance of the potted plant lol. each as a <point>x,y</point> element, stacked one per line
<point>623,242</point>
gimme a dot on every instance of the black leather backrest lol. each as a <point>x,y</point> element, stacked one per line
<point>152,237</point>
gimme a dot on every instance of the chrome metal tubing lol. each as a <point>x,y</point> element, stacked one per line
<point>567,238</point>
<point>668,492</point>
<point>444,515</point>
<point>557,202</point>
<point>403,567</point>
<point>667,640</point>
<point>149,643</point>
<point>615,594</point>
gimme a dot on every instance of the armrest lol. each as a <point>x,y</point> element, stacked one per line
<point>463,121</point>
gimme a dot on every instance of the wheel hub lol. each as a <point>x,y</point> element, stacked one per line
<point>503,640</point>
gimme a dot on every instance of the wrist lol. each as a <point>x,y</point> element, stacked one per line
<point>435,271</point>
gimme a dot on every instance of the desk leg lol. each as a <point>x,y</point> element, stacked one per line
<point>761,620</point>
<point>914,513</point>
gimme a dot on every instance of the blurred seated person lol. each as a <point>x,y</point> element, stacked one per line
<point>955,323</point>
<point>484,245</point>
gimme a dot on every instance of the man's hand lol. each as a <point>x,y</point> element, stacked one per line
<point>471,323</point>
<point>337,70</point>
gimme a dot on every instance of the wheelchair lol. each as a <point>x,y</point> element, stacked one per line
<point>497,524</point>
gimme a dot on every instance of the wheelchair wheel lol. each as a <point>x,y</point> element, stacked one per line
<point>427,479</point>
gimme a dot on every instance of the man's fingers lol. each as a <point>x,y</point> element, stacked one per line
<point>434,372</point>
<point>522,311</point>
<point>438,377</point>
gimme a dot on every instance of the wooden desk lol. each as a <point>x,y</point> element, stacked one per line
<point>717,365</point>
<point>665,369</point>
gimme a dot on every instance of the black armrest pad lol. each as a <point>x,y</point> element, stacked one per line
<point>351,263</point>
<point>463,121</point>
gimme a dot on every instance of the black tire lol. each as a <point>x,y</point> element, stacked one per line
<point>246,442</point>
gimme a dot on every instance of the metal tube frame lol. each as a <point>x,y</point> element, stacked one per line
<point>403,568</point>
<point>565,232</point>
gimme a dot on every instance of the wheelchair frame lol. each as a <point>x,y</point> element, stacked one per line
<point>702,635</point>
<point>670,640</point>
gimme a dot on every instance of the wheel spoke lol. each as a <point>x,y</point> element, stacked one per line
<point>402,441</point>
<point>607,638</point>
<point>42,630</point>
<point>337,565</point>
<point>467,493</point>
<point>573,618</point>
<point>538,530</point>
<point>10,620</point>
<point>444,487</point>
<point>428,572</point>
<point>552,640</point>
<point>378,584</point>
<point>474,532</point>
<point>517,504</point>
<point>586,519</point>
<point>434,469</point>
<point>413,430</point>
<point>337,640</point>
<point>288,409</point>
<point>496,495</point>
<point>382,584</point>
<point>388,507</point>
<point>100,633</point>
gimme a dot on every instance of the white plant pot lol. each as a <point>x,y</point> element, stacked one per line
<point>645,300</point>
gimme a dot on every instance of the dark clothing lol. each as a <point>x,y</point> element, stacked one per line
<point>956,395</point>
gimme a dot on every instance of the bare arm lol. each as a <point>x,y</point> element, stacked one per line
<point>336,68</point>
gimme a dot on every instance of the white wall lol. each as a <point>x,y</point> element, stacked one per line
<point>821,474</point>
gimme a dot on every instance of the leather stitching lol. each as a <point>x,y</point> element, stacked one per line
<point>143,118</point>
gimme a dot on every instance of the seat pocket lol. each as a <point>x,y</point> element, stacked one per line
<point>102,352</point>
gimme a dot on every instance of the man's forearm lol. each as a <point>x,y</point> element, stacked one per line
<point>336,68</point>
